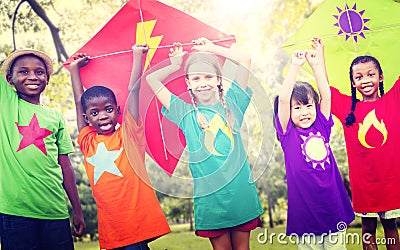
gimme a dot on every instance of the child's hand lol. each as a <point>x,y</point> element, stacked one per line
<point>80,60</point>
<point>202,44</point>
<point>176,54</point>
<point>318,45</point>
<point>312,57</point>
<point>140,48</point>
<point>298,57</point>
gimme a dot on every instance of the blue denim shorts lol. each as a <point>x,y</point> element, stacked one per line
<point>18,232</point>
<point>137,246</point>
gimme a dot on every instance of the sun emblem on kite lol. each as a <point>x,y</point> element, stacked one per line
<point>315,149</point>
<point>351,23</point>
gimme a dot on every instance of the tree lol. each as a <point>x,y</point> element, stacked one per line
<point>41,13</point>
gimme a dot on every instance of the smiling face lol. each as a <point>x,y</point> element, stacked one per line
<point>102,114</point>
<point>29,77</point>
<point>202,79</point>
<point>366,78</point>
<point>303,115</point>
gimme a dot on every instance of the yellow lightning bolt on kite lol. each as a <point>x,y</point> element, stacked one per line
<point>143,36</point>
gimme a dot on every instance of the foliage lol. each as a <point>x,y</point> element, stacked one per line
<point>259,31</point>
<point>177,210</point>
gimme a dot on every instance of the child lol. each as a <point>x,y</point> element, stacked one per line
<point>318,205</point>
<point>34,165</point>
<point>129,215</point>
<point>226,203</point>
<point>372,142</point>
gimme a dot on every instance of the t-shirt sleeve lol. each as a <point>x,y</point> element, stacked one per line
<point>85,138</point>
<point>133,133</point>
<point>240,97</point>
<point>238,101</point>
<point>64,142</point>
<point>5,92</point>
<point>340,104</point>
<point>178,110</point>
<point>326,124</point>
<point>279,130</point>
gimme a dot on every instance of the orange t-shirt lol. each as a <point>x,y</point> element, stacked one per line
<point>128,209</point>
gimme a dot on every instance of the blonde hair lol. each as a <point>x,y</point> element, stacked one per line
<point>211,59</point>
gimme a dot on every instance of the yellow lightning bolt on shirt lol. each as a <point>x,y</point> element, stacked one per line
<point>216,124</point>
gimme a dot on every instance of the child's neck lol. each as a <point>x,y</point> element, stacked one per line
<point>211,101</point>
<point>31,99</point>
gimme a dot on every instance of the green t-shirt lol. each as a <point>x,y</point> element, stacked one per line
<point>31,138</point>
<point>224,191</point>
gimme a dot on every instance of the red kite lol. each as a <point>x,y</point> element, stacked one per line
<point>159,26</point>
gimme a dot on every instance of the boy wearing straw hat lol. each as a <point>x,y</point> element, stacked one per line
<point>34,165</point>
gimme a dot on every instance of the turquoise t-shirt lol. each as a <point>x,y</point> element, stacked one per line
<point>224,191</point>
<point>31,138</point>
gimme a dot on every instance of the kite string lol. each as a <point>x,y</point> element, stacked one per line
<point>159,47</point>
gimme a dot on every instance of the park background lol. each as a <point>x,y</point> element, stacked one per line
<point>61,27</point>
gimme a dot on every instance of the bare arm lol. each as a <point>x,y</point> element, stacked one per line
<point>298,59</point>
<point>319,46</point>
<point>80,61</point>
<point>239,57</point>
<point>156,78</point>
<point>322,82</point>
<point>69,185</point>
<point>134,82</point>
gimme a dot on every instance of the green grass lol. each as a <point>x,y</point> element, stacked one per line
<point>182,239</point>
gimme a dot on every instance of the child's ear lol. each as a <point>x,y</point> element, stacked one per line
<point>119,110</point>
<point>86,118</point>
<point>9,79</point>
<point>381,78</point>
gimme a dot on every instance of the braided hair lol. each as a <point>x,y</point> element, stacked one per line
<point>211,59</point>
<point>351,118</point>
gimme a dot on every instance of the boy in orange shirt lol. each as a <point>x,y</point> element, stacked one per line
<point>129,214</point>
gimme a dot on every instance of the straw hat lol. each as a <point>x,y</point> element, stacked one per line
<point>5,68</point>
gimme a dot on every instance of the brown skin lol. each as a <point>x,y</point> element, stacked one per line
<point>84,117</point>
<point>29,77</point>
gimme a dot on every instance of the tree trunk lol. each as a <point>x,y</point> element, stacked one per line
<point>190,214</point>
<point>61,52</point>
<point>271,221</point>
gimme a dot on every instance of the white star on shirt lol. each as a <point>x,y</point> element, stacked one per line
<point>103,161</point>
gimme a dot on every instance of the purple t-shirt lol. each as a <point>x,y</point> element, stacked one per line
<point>317,199</point>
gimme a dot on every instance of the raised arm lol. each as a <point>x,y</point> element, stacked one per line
<point>298,59</point>
<point>80,60</point>
<point>239,57</point>
<point>155,79</point>
<point>135,80</point>
<point>315,61</point>
<point>319,46</point>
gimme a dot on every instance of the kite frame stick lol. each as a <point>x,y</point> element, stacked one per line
<point>158,109</point>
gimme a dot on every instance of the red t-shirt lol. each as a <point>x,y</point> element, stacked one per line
<point>373,147</point>
<point>128,209</point>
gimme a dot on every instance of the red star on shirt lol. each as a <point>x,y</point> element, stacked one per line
<point>33,134</point>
